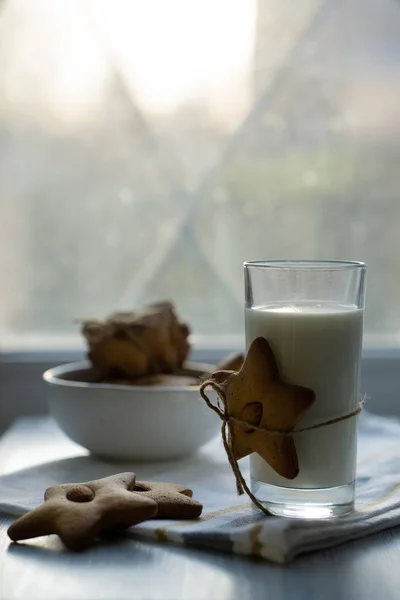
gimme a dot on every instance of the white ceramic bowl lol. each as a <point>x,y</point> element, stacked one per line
<point>128,422</point>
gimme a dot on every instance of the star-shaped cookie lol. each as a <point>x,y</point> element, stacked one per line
<point>79,512</point>
<point>257,395</point>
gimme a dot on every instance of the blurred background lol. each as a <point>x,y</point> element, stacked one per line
<point>148,148</point>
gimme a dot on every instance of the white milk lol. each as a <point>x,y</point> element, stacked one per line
<point>317,345</point>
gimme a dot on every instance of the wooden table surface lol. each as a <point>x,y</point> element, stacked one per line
<point>42,569</point>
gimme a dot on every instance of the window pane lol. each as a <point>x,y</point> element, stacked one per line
<point>149,148</point>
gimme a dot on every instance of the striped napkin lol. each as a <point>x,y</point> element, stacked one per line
<point>229,523</point>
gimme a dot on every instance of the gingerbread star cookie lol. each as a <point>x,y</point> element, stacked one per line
<point>79,512</point>
<point>256,395</point>
<point>138,343</point>
<point>174,501</point>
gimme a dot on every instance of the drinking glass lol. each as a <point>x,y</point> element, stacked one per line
<point>311,313</point>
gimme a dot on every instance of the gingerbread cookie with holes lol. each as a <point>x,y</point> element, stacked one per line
<point>80,512</point>
<point>261,408</point>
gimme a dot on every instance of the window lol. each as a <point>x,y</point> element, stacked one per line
<point>149,148</point>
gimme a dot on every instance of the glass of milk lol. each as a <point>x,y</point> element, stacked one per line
<point>311,313</point>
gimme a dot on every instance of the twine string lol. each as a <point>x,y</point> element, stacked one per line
<point>227,419</point>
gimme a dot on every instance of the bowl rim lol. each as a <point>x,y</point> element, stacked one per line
<point>52,377</point>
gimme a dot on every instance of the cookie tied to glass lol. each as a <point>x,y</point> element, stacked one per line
<point>292,406</point>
